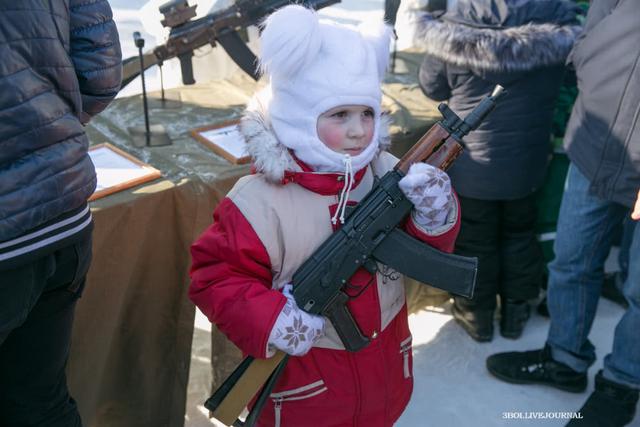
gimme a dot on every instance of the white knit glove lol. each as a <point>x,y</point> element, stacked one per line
<point>429,189</point>
<point>295,330</point>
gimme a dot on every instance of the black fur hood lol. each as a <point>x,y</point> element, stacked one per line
<point>490,36</point>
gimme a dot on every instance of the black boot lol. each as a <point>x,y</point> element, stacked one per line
<point>514,316</point>
<point>610,405</point>
<point>536,367</point>
<point>477,323</point>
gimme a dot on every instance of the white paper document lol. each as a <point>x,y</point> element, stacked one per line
<point>229,139</point>
<point>113,169</point>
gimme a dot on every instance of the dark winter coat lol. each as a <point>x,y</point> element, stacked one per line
<point>61,64</point>
<point>603,134</point>
<point>521,45</point>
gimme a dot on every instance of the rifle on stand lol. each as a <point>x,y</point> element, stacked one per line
<point>222,27</point>
<point>369,234</point>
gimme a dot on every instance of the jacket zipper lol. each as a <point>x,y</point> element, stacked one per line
<point>277,406</point>
<point>291,395</point>
<point>405,348</point>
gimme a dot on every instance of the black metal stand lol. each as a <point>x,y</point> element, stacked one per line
<point>139,41</point>
<point>395,50</point>
<point>156,135</point>
<point>162,99</point>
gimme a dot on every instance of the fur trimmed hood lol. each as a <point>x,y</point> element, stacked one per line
<point>499,43</point>
<point>272,158</point>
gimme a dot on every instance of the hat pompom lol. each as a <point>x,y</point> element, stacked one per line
<point>379,35</point>
<point>290,40</point>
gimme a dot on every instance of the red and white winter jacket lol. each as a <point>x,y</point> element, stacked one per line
<point>266,227</point>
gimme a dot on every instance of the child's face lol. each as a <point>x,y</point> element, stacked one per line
<point>347,129</point>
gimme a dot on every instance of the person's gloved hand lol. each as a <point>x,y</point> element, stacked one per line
<point>429,189</point>
<point>295,331</point>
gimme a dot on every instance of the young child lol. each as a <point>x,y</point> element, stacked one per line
<point>317,141</point>
<point>522,45</point>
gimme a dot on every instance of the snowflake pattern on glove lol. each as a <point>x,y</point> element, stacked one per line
<point>388,274</point>
<point>295,331</point>
<point>429,189</point>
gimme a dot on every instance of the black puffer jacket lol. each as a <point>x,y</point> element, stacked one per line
<point>603,134</point>
<point>521,45</point>
<point>60,64</point>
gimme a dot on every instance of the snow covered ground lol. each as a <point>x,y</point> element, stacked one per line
<point>452,385</point>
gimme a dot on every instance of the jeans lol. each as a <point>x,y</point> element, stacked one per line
<point>37,303</point>
<point>582,245</point>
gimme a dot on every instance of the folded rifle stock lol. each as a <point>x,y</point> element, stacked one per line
<point>369,234</point>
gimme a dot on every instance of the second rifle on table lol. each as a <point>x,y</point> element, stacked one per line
<point>222,27</point>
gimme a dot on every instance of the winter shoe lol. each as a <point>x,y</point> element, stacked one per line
<point>514,316</point>
<point>478,324</point>
<point>536,367</point>
<point>610,405</point>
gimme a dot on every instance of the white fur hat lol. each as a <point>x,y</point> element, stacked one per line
<point>313,67</point>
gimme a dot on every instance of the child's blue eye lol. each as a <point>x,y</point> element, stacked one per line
<point>340,114</point>
<point>368,113</point>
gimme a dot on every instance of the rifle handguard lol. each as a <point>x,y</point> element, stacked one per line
<point>426,146</point>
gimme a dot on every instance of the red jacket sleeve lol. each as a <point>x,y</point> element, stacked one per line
<point>444,242</point>
<point>231,280</point>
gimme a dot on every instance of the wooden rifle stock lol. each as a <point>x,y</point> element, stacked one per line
<point>230,399</point>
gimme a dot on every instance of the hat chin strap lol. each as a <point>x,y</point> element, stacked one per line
<point>323,159</point>
<point>344,194</point>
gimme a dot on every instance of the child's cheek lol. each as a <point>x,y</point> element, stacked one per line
<point>332,138</point>
<point>370,134</point>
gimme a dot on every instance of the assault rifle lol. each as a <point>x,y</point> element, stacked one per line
<point>222,27</point>
<point>369,234</point>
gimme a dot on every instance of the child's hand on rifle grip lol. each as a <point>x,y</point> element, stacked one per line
<point>429,189</point>
<point>295,331</point>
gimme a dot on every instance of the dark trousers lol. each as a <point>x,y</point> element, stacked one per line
<point>37,302</point>
<point>510,262</point>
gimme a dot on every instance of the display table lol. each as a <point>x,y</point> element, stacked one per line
<point>132,335</point>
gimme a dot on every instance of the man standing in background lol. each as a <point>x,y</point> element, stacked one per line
<point>603,143</point>
<point>61,65</point>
